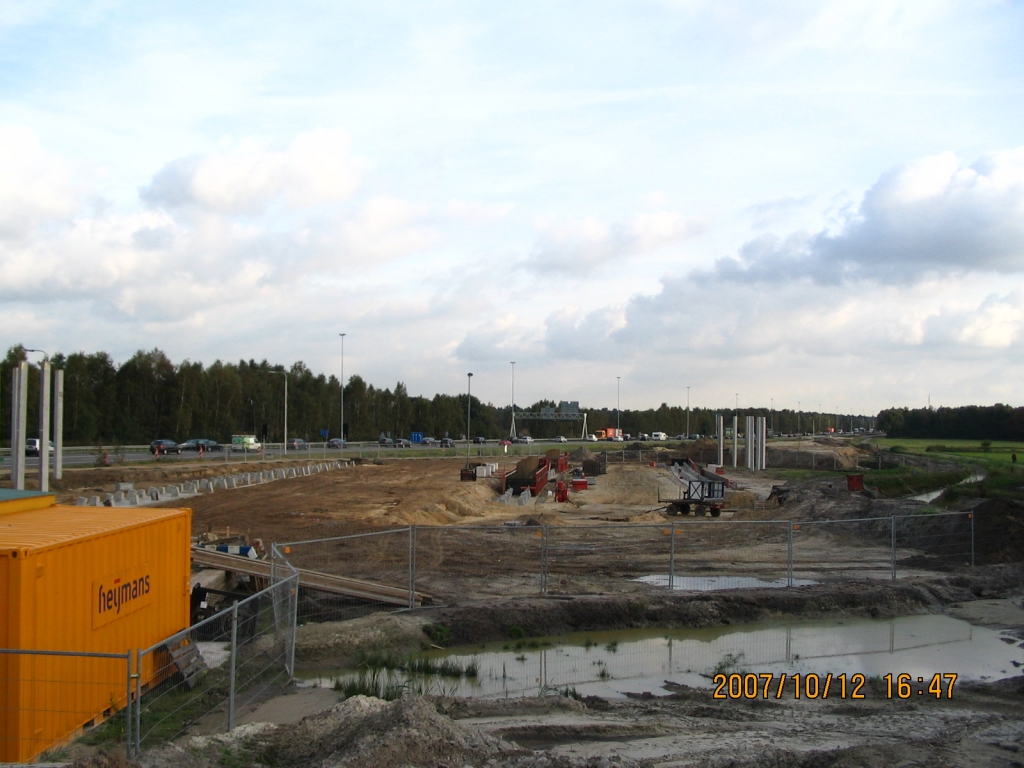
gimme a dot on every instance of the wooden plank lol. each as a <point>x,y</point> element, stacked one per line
<point>325,582</point>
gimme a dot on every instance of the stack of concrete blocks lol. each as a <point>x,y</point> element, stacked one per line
<point>483,470</point>
<point>525,497</point>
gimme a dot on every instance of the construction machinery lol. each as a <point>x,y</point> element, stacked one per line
<point>697,494</point>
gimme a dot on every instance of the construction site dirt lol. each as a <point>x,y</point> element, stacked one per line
<point>982,725</point>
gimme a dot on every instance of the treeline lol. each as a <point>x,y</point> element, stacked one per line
<point>148,397</point>
<point>970,422</point>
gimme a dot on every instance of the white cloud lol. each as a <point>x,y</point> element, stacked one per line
<point>315,168</point>
<point>931,216</point>
<point>579,245</point>
<point>35,186</point>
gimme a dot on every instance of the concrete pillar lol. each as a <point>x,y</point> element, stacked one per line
<point>19,424</point>
<point>720,431</point>
<point>735,439</point>
<point>44,425</point>
<point>58,424</point>
<point>764,442</point>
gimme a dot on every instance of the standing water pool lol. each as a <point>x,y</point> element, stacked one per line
<point>613,663</point>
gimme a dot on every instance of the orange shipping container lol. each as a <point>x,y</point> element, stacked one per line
<point>96,579</point>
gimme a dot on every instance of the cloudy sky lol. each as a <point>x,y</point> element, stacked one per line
<point>793,202</point>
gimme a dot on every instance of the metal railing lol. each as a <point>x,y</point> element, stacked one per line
<point>247,650</point>
<point>449,563</point>
<point>50,698</point>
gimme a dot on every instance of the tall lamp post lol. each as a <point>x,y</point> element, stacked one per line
<point>284,443</point>
<point>469,401</point>
<point>687,413</point>
<point>618,410</point>
<point>342,433</point>
<point>512,429</point>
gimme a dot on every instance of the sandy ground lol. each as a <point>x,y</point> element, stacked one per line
<point>983,725</point>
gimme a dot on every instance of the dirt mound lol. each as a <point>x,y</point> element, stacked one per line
<point>582,454</point>
<point>999,532</point>
<point>410,731</point>
<point>365,731</point>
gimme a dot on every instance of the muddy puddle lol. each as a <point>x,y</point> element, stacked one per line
<point>714,583</point>
<point>975,477</point>
<point>613,663</point>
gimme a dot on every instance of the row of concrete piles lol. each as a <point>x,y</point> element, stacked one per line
<point>755,439</point>
<point>126,494</point>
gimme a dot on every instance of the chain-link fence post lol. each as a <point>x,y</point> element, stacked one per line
<point>129,712</point>
<point>544,560</point>
<point>789,558</point>
<point>892,521</point>
<point>412,567</point>
<point>971,516</point>
<point>293,590</point>
<point>233,662</point>
<point>672,555</point>
<point>138,703</point>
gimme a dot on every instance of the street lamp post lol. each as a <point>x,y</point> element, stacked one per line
<point>618,410</point>
<point>284,444</point>
<point>342,433</point>
<point>512,428</point>
<point>469,401</point>
<point>687,413</point>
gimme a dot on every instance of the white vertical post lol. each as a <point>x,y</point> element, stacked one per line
<point>764,443</point>
<point>44,425</point>
<point>19,424</point>
<point>720,429</point>
<point>58,424</point>
<point>735,439</point>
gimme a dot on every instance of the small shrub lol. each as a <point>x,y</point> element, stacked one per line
<point>439,634</point>
<point>516,632</point>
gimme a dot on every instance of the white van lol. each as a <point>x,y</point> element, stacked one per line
<point>245,444</point>
<point>659,436</point>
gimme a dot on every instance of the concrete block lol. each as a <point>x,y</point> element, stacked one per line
<point>172,491</point>
<point>229,482</point>
<point>118,497</point>
<point>132,497</point>
<point>94,501</point>
<point>81,501</point>
<point>125,487</point>
<point>154,493</point>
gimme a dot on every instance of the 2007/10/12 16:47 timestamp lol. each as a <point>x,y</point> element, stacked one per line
<point>815,686</point>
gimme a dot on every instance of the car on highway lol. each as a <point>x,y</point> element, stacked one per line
<point>335,442</point>
<point>32,446</point>
<point>447,442</point>
<point>402,443</point>
<point>164,447</point>
<point>245,444</point>
<point>616,438</point>
<point>561,439</point>
<point>195,443</point>
<point>297,444</point>
<point>429,441</point>
<point>591,438</point>
<point>479,440</point>
<point>505,441</point>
